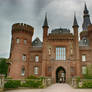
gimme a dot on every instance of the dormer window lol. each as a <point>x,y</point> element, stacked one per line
<point>35,41</point>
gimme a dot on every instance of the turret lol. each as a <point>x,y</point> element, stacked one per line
<point>20,49</point>
<point>86,19</point>
<point>75,28</point>
<point>45,28</point>
<point>76,45</point>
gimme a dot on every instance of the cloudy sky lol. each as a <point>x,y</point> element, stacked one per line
<point>60,14</point>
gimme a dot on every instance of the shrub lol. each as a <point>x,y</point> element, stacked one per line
<point>32,83</point>
<point>32,77</point>
<point>12,84</point>
<point>87,84</point>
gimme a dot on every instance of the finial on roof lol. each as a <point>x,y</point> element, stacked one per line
<point>45,21</point>
<point>85,9</point>
<point>75,21</point>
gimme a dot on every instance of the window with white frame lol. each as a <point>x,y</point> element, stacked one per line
<point>36,70</point>
<point>25,41</point>
<point>60,53</point>
<point>17,40</point>
<point>83,58</point>
<point>36,58</point>
<point>23,71</point>
<point>84,69</point>
<point>24,57</point>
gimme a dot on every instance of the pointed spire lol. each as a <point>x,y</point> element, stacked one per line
<point>75,21</point>
<point>86,19</point>
<point>45,21</point>
<point>85,9</point>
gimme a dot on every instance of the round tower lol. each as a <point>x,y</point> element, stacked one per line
<point>20,50</point>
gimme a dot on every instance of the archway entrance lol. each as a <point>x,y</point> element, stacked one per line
<point>60,75</point>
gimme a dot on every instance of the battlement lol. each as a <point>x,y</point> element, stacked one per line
<point>22,27</point>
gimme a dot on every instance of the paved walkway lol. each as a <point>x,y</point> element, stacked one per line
<point>54,88</point>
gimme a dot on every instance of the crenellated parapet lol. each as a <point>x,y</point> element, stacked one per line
<point>22,27</point>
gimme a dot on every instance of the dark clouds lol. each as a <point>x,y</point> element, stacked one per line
<point>60,14</point>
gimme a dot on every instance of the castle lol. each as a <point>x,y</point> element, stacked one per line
<point>60,55</point>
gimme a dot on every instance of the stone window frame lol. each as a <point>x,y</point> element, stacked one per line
<point>37,58</point>
<point>36,70</point>
<point>84,58</point>
<point>61,55</point>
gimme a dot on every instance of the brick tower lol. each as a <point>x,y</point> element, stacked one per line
<point>20,49</point>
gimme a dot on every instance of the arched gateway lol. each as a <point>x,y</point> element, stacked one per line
<point>60,75</point>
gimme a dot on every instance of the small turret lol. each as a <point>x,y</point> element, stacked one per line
<point>45,28</point>
<point>45,22</point>
<point>75,24</point>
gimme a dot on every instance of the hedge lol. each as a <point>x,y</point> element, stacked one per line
<point>33,84</point>
<point>12,84</point>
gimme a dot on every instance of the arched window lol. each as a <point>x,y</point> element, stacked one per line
<point>23,71</point>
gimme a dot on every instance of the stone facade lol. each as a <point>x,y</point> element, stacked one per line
<point>40,58</point>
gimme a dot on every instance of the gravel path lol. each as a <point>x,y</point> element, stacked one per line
<point>53,88</point>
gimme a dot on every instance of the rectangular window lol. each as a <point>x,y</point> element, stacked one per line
<point>25,41</point>
<point>36,58</point>
<point>24,57</point>
<point>84,69</point>
<point>83,58</point>
<point>60,53</point>
<point>23,71</point>
<point>35,70</point>
<point>17,40</point>
<point>49,69</point>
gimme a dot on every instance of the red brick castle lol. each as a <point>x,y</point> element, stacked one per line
<point>60,55</point>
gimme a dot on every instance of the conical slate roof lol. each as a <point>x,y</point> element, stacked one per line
<point>45,21</point>
<point>75,23</point>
